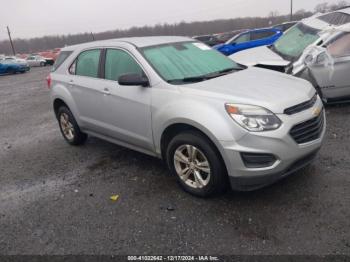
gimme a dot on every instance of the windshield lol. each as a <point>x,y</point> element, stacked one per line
<point>188,62</point>
<point>292,44</point>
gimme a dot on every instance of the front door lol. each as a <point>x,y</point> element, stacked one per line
<point>129,107</point>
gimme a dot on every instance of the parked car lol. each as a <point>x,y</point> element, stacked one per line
<point>7,67</point>
<point>224,37</point>
<point>36,60</point>
<point>249,39</point>
<point>49,57</point>
<point>285,26</point>
<point>16,60</point>
<point>328,66</point>
<point>211,120</point>
<point>21,63</point>
<point>288,54</point>
<point>209,40</point>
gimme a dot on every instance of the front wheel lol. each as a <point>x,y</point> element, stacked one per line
<point>197,164</point>
<point>69,127</point>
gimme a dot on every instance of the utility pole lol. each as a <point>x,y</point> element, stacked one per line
<point>12,46</point>
<point>291,10</point>
<point>92,36</point>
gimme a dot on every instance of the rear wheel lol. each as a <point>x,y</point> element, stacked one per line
<point>197,164</point>
<point>42,64</point>
<point>69,127</point>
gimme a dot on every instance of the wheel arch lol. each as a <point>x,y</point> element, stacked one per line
<point>57,103</point>
<point>175,128</point>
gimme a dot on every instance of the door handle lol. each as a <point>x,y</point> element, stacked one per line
<point>105,91</point>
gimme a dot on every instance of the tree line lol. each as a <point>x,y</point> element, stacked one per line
<point>181,29</point>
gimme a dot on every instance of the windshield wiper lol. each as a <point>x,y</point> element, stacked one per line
<point>188,79</point>
<point>222,72</point>
<point>201,78</point>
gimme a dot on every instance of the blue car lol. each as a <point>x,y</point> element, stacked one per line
<point>249,39</point>
<point>12,68</point>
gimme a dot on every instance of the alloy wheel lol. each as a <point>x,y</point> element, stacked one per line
<point>67,126</point>
<point>192,166</point>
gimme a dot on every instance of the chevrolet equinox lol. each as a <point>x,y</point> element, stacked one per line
<point>214,122</point>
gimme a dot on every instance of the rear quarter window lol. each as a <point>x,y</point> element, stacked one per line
<point>60,59</point>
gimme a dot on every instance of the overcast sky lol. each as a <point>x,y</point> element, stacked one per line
<point>31,18</point>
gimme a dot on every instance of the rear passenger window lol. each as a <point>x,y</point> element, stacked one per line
<point>261,35</point>
<point>87,63</point>
<point>119,63</point>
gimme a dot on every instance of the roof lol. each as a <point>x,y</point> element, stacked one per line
<point>345,28</point>
<point>136,41</point>
<point>329,20</point>
<point>345,10</point>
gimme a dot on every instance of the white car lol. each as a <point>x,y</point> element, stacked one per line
<point>36,60</point>
<point>315,49</point>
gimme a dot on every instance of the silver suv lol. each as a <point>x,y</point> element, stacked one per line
<point>214,122</point>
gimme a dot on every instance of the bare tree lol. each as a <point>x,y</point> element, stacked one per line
<point>182,28</point>
<point>322,8</point>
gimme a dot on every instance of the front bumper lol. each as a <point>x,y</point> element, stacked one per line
<point>290,156</point>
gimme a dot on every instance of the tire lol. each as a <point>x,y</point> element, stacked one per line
<point>69,127</point>
<point>42,64</point>
<point>207,158</point>
<point>10,71</point>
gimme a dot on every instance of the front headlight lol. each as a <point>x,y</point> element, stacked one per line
<point>253,118</point>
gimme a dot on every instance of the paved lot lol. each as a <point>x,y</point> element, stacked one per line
<point>54,198</point>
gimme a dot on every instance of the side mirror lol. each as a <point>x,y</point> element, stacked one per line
<point>133,80</point>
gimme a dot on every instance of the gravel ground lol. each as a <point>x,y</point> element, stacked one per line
<point>55,199</point>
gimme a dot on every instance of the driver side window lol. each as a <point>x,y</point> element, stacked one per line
<point>340,47</point>
<point>119,63</point>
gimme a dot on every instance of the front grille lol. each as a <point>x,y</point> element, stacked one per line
<point>301,107</point>
<point>309,130</point>
<point>258,160</point>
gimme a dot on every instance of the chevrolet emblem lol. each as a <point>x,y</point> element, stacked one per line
<point>316,111</point>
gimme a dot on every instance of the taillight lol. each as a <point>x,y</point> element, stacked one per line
<point>48,80</point>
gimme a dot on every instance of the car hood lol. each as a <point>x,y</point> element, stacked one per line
<point>255,86</point>
<point>259,55</point>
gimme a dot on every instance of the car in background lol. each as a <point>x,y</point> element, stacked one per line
<point>15,60</point>
<point>298,53</point>
<point>224,37</point>
<point>285,26</point>
<point>49,56</point>
<point>214,122</point>
<point>327,66</point>
<point>8,67</point>
<point>209,40</point>
<point>249,39</point>
<point>36,60</point>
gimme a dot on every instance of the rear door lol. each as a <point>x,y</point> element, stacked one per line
<point>241,42</point>
<point>87,92</point>
<point>333,76</point>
